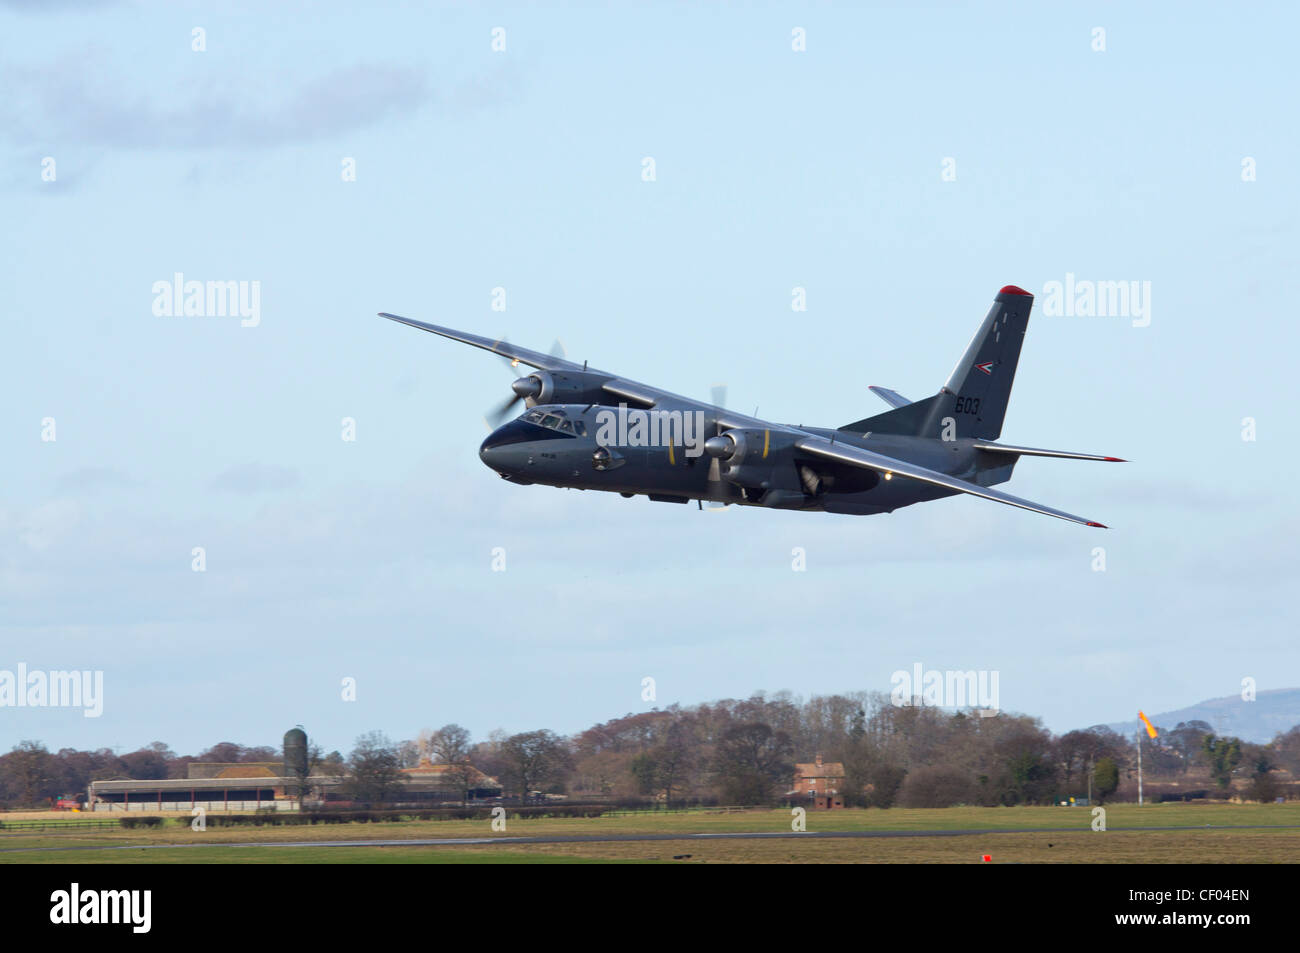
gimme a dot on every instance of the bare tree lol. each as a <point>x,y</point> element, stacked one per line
<point>533,758</point>
<point>373,767</point>
<point>408,754</point>
<point>450,744</point>
<point>751,761</point>
<point>666,766</point>
<point>1187,738</point>
<point>28,773</point>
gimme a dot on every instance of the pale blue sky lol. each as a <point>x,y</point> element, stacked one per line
<point>522,169</point>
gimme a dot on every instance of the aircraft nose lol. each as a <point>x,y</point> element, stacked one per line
<point>508,449</point>
<point>496,451</point>
<point>490,451</point>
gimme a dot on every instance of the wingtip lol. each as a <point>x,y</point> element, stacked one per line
<point>1115,460</point>
<point>1098,525</point>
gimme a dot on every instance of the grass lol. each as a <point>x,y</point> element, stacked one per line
<point>1249,841</point>
<point>310,855</point>
<point>1112,847</point>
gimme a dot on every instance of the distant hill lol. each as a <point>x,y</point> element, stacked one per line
<point>1258,721</point>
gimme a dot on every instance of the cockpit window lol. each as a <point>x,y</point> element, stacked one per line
<point>555,420</point>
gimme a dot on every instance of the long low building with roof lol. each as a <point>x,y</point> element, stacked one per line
<point>268,785</point>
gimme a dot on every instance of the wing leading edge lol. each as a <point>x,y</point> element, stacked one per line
<point>523,355</point>
<point>620,387</point>
<point>856,456</point>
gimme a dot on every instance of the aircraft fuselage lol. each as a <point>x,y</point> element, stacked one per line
<point>595,447</point>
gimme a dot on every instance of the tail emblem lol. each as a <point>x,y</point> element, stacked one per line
<point>986,368</point>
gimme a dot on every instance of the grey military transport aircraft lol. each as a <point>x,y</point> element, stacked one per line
<point>592,430</point>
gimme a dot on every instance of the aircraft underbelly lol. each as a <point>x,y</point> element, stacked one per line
<point>642,471</point>
<point>652,471</point>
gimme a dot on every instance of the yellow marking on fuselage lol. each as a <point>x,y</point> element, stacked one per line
<point>767,439</point>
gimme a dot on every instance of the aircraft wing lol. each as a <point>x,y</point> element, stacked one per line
<point>622,388</point>
<point>516,354</point>
<point>856,456</point>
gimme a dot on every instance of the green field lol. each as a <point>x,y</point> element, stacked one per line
<point>311,855</point>
<point>1223,833</point>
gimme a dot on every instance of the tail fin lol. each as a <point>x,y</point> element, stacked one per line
<point>976,395</point>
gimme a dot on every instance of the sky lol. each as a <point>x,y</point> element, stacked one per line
<point>899,163</point>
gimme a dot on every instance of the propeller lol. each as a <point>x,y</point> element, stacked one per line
<point>496,415</point>
<point>718,395</point>
<point>523,387</point>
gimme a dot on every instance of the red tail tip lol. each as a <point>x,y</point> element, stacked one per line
<point>1098,525</point>
<point>1116,460</point>
<point>1013,290</point>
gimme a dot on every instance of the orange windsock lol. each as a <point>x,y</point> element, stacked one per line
<point>1151,729</point>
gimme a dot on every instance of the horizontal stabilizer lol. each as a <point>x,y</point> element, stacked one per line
<point>891,397</point>
<point>889,467</point>
<point>1035,452</point>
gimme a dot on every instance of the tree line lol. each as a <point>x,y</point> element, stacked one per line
<point>744,752</point>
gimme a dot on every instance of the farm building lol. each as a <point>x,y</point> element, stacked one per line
<point>820,782</point>
<point>262,785</point>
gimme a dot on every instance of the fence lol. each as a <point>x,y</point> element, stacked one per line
<point>117,807</point>
<point>180,812</point>
<point>78,824</point>
<point>641,811</point>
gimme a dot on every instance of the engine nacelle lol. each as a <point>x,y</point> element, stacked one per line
<point>561,387</point>
<point>729,446</point>
<point>751,457</point>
